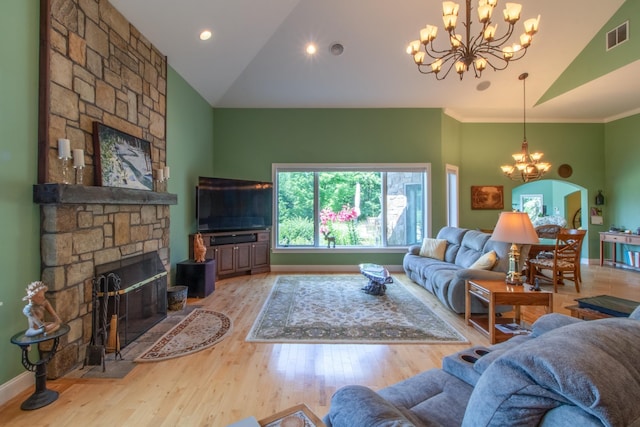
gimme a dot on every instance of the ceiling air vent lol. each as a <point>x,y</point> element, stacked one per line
<point>618,35</point>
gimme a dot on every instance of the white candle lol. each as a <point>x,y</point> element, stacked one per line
<point>78,158</point>
<point>64,148</point>
<point>167,173</point>
<point>160,175</point>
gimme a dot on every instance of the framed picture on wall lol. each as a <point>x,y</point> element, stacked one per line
<point>122,160</point>
<point>487,197</point>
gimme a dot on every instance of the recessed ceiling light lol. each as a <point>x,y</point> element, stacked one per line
<point>205,35</point>
<point>311,49</point>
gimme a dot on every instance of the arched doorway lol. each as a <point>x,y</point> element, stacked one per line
<point>551,200</point>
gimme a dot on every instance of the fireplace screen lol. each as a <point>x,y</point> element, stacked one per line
<point>139,300</point>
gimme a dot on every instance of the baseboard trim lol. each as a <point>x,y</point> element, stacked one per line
<point>326,268</point>
<point>15,386</point>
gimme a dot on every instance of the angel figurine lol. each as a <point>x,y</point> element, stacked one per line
<point>36,308</point>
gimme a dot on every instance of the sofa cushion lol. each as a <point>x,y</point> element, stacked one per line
<point>433,248</point>
<point>454,236</point>
<point>596,370</point>
<point>471,248</point>
<point>502,253</point>
<point>485,262</point>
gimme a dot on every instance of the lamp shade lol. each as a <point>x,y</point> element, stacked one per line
<point>515,227</point>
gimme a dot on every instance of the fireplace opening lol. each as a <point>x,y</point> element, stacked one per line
<point>138,299</point>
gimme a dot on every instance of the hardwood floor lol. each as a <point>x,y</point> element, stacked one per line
<point>236,379</point>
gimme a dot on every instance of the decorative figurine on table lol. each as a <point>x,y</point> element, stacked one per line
<point>35,310</point>
<point>199,250</point>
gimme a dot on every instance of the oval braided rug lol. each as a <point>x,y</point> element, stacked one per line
<point>201,329</point>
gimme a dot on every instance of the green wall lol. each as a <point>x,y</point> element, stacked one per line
<point>189,154</point>
<point>622,189</point>
<point>594,60</point>
<point>19,216</point>
<point>486,146</point>
<point>248,141</point>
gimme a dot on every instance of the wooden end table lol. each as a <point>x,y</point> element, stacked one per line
<point>495,293</point>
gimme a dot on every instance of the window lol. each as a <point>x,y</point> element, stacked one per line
<point>532,205</point>
<point>350,206</point>
<point>452,195</point>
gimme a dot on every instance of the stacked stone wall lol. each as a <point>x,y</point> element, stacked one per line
<point>100,69</point>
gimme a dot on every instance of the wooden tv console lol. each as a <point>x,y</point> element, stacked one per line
<point>238,252</point>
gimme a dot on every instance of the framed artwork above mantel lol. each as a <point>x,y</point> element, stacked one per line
<point>122,160</point>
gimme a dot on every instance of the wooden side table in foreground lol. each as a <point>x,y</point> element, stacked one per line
<point>299,415</point>
<point>495,293</point>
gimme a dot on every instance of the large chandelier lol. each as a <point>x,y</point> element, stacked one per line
<point>527,167</point>
<point>479,51</point>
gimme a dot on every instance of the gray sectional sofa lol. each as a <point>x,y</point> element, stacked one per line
<point>446,278</point>
<point>566,373</point>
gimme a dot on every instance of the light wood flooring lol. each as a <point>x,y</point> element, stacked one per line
<point>236,379</point>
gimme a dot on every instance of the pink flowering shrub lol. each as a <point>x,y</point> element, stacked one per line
<point>347,216</point>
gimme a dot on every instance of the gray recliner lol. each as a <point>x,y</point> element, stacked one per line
<point>567,372</point>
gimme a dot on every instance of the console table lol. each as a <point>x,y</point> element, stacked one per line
<point>237,252</point>
<point>42,396</point>
<point>614,239</point>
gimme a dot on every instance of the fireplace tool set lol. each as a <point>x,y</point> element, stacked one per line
<point>104,331</point>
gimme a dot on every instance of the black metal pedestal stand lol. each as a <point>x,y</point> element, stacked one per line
<point>42,396</point>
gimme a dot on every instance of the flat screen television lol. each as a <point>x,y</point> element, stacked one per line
<point>224,204</point>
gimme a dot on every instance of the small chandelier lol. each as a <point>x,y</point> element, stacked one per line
<point>527,167</point>
<point>478,52</point>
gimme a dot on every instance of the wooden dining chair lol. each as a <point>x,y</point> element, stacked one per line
<point>565,263</point>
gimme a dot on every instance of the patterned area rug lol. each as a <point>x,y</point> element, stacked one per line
<point>199,330</point>
<point>333,308</point>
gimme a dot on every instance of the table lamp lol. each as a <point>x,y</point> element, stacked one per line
<point>515,228</point>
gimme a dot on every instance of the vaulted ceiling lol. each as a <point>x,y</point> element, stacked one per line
<point>256,57</point>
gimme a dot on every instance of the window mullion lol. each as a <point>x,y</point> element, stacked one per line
<point>383,226</point>
<point>316,208</point>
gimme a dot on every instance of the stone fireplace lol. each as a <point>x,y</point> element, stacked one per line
<point>94,67</point>
<point>84,227</point>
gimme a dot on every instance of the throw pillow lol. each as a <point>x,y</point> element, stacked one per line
<point>433,248</point>
<point>485,262</point>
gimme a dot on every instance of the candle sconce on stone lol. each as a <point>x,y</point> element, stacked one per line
<point>64,154</point>
<point>78,165</point>
<point>161,178</point>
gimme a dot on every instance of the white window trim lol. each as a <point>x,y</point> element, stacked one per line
<point>329,167</point>
<point>452,193</point>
